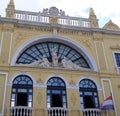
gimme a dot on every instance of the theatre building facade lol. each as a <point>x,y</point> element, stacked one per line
<point>52,64</point>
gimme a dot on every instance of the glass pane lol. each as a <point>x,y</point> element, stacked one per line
<point>81,93</point>
<point>48,98</point>
<point>13,97</point>
<point>81,99</point>
<point>12,104</point>
<point>29,104</point>
<point>56,91</point>
<point>63,92</point>
<point>14,90</point>
<point>48,105</point>
<point>64,98</point>
<point>82,106</point>
<point>30,90</point>
<point>22,90</point>
<point>88,93</point>
<point>95,93</point>
<point>96,100</point>
<point>64,105</point>
<point>30,98</point>
<point>48,91</point>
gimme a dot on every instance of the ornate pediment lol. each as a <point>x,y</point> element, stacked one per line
<point>111,25</point>
<point>53,11</point>
<point>44,63</point>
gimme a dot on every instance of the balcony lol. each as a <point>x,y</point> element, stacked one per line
<point>92,112</point>
<point>20,111</point>
<point>57,111</point>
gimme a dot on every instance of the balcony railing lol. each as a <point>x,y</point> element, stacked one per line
<point>20,111</point>
<point>57,111</point>
<point>44,18</point>
<point>92,112</point>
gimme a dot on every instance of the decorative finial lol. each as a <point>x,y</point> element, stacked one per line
<point>92,14</point>
<point>11,4</point>
<point>93,23</point>
<point>10,9</point>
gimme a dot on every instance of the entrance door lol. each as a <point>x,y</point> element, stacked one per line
<point>89,102</point>
<point>56,100</point>
<point>21,99</point>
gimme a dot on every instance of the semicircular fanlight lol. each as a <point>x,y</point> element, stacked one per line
<point>37,51</point>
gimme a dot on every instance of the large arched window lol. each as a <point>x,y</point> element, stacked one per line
<point>56,93</point>
<point>37,51</point>
<point>22,91</point>
<point>88,94</point>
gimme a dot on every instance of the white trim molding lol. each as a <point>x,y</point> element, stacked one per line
<point>104,95</point>
<point>90,78</point>
<point>9,58</point>
<point>5,89</point>
<point>56,38</point>
<point>1,42</point>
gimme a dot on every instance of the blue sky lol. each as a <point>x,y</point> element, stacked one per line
<point>104,9</point>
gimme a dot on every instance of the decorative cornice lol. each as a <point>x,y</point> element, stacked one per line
<point>31,24</point>
<point>115,47</point>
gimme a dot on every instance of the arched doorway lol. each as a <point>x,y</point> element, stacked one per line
<point>56,93</point>
<point>21,96</point>
<point>88,94</point>
<point>22,91</point>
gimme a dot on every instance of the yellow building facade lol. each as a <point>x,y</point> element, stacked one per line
<point>52,64</point>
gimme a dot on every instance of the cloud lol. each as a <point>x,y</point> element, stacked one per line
<point>104,9</point>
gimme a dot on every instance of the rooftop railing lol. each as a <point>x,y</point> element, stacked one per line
<point>44,17</point>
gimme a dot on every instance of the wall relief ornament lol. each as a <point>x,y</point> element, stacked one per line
<point>39,98</point>
<point>87,43</point>
<point>72,82</point>
<point>73,98</point>
<point>39,80</point>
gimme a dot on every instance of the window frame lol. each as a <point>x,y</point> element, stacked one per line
<point>52,88</point>
<point>17,88</point>
<point>115,62</point>
<point>83,90</point>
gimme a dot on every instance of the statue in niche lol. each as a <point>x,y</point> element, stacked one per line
<point>54,57</point>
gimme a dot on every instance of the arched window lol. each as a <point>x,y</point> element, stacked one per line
<point>37,51</point>
<point>88,94</point>
<point>22,91</point>
<point>56,93</point>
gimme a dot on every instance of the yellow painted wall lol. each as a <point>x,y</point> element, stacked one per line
<point>98,46</point>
